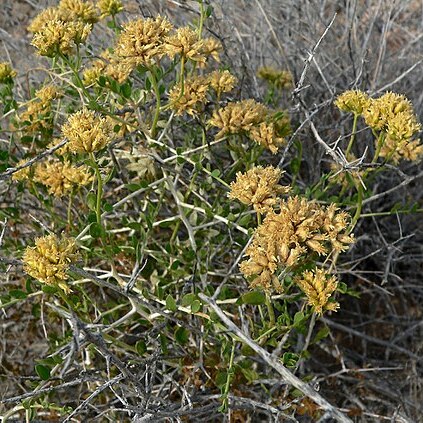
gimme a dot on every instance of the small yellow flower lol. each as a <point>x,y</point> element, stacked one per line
<point>60,37</point>
<point>354,101</point>
<point>6,73</point>
<point>258,187</point>
<point>318,287</point>
<point>222,81</point>
<point>211,48</point>
<point>83,11</point>
<point>279,78</point>
<point>186,44</point>
<point>47,15</point>
<point>265,135</point>
<point>237,117</point>
<point>300,227</point>
<point>49,260</point>
<point>87,132</point>
<point>193,98</point>
<point>61,178</point>
<point>23,174</point>
<point>48,93</point>
<point>109,7</point>
<point>141,41</point>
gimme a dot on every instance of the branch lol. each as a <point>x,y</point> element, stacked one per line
<point>275,364</point>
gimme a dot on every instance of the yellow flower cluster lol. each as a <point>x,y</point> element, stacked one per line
<point>392,116</point>
<point>107,65</point>
<point>6,73</point>
<point>84,11</point>
<point>109,7</point>
<point>49,260</point>
<point>278,78</point>
<point>60,37</point>
<point>195,91</point>
<point>87,132</point>
<point>192,98</point>
<point>60,29</point>
<point>60,178</point>
<point>300,227</point>
<point>249,117</point>
<point>258,187</point>
<point>141,42</point>
<point>185,42</point>
<point>211,48</point>
<point>318,287</point>
<point>222,81</point>
<point>22,174</point>
<point>353,101</point>
<point>38,115</point>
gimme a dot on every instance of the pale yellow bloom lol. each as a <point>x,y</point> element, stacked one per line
<point>237,117</point>
<point>186,44</point>
<point>84,11</point>
<point>22,174</point>
<point>279,78</point>
<point>61,178</point>
<point>48,93</point>
<point>193,98</point>
<point>47,15</point>
<point>300,227</point>
<point>211,48</point>
<point>141,41</point>
<point>265,135</point>
<point>87,132</point>
<point>222,81</point>
<point>109,7</point>
<point>49,260</point>
<point>60,37</point>
<point>354,101</point>
<point>6,73</point>
<point>318,287</point>
<point>258,187</point>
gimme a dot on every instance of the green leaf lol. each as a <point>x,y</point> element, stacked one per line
<point>188,299</point>
<point>181,335</point>
<point>42,371</point>
<point>132,187</point>
<point>209,11</point>
<point>48,289</point>
<point>215,173</point>
<point>253,298</point>
<point>290,359</point>
<point>196,306</point>
<point>17,293</point>
<point>299,318</point>
<point>171,303</point>
<point>92,200</point>
<point>126,90</point>
<point>323,333</point>
<point>96,230</point>
<point>141,347</point>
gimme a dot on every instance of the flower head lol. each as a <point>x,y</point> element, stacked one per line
<point>6,73</point>
<point>211,48</point>
<point>258,187</point>
<point>83,11</point>
<point>298,228</point>
<point>109,7</point>
<point>49,260</point>
<point>265,135</point>
<point>238,116</point>
<point>48,93</point>
<point>87,132</point>
<point>193,97</point>
<point>60,178</point>
<point>22,174</point>
<point>47,15</point>
<point>186,44</point>
<point>60,37</point>
<point>141,41</point>
<point>279,78</point>
<point>318,287</point>
<point>354,101</point>
<point>222,81</point>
